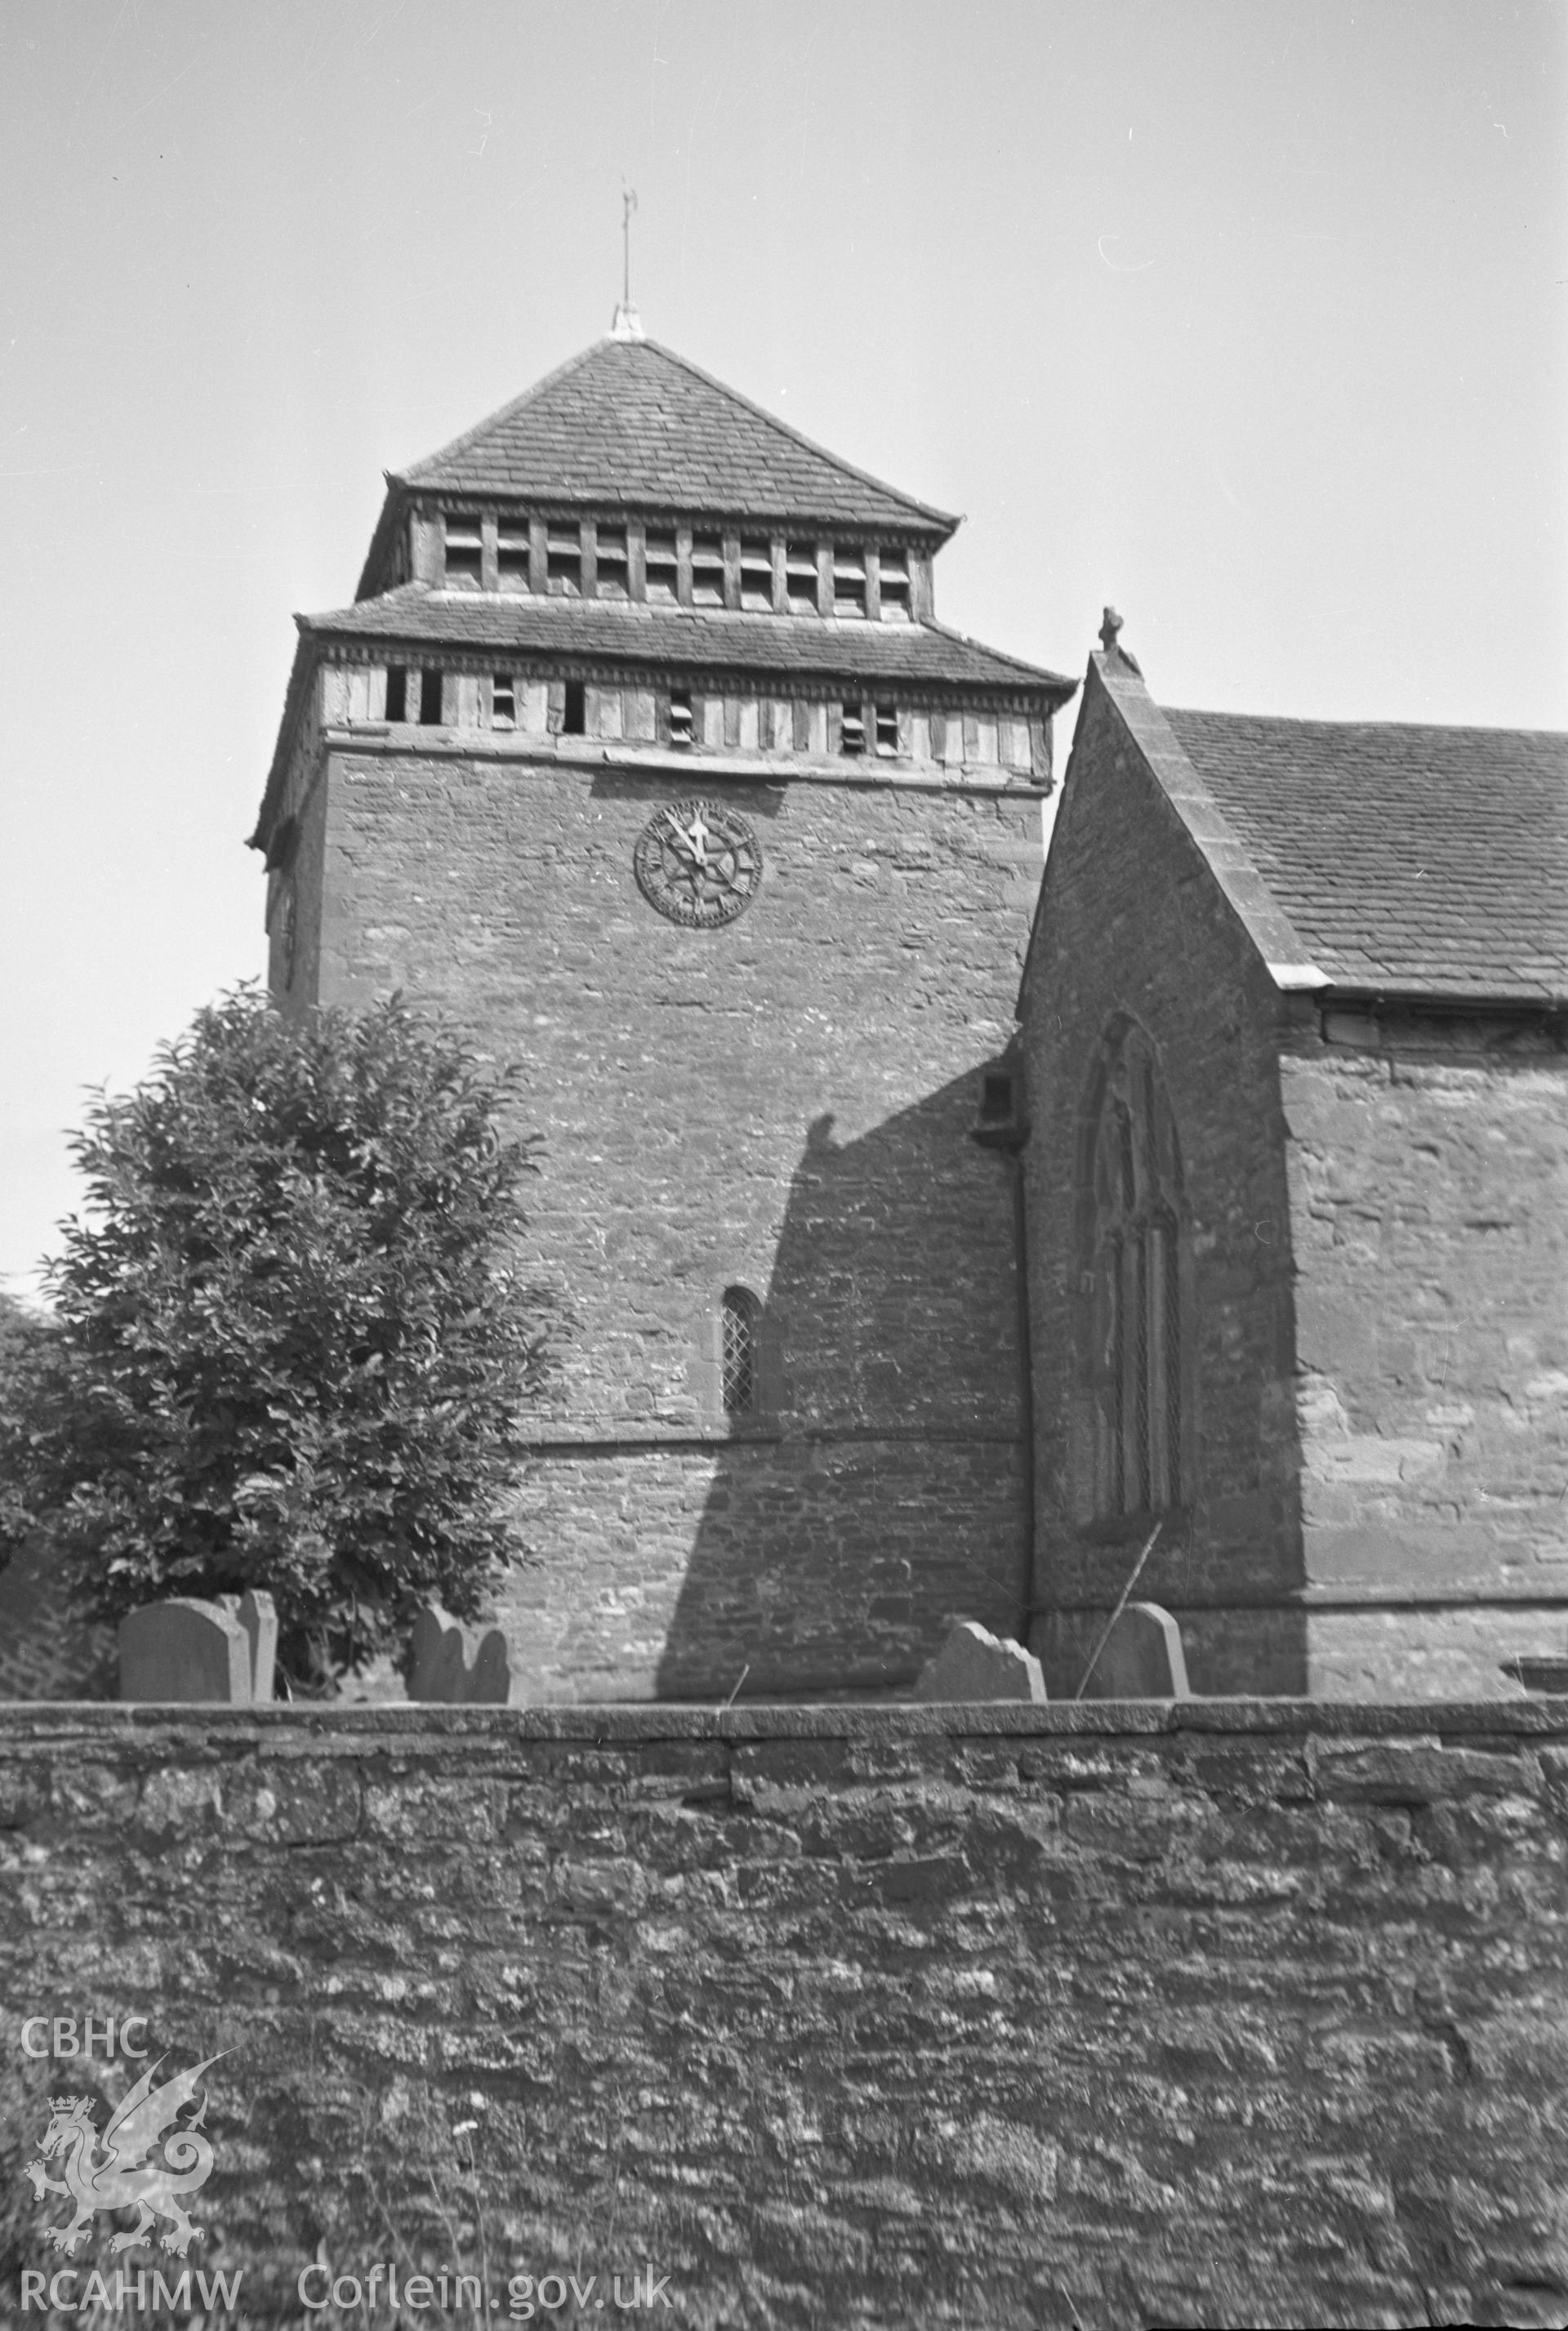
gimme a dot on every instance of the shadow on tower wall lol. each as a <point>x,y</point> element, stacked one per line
<point>878,1489</point>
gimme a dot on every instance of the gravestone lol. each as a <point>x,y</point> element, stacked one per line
<point>1142,1659</point>
<point>257,1614</point>
<point>435,1661</point>
<point>974,1664</point>
<point>185,1650</point>
<point>463,1667</point>
<point>259,1618</point>
<point>489,1684</point>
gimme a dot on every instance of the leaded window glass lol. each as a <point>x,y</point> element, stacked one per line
<point>741,1312</point>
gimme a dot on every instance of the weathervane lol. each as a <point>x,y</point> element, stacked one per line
<point>628,323</point>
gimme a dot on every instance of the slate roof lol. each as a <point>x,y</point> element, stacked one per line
<point>680,640</point>
<point>631,424</point>
<point>1412,860</point>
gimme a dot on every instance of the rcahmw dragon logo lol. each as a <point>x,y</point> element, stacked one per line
<point>124,2175</point>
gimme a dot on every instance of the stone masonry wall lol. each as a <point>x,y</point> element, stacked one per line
<point>1429,1173</point>
<point>784,1104</point>
<point>1224,2014</point>
<point>683,1574</point>
<point>1132,923</point>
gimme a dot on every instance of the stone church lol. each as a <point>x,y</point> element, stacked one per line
<point>1296,1034</point>
<point>642,751</point>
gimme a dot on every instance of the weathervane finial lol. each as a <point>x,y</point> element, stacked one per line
<point>628,323</point>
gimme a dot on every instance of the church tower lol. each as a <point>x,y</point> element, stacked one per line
<point>641,753</point>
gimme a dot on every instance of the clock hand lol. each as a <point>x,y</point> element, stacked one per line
<point>691,837</point>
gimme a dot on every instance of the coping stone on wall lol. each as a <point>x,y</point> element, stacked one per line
<point>609,1724</point>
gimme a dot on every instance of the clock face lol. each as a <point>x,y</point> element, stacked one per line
<point>698,864</point>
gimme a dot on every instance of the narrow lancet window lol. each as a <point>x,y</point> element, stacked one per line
<point>1134,1268</point>
<point>741,1312</point>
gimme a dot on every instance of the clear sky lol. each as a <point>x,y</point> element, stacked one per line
<point>1248,315</point>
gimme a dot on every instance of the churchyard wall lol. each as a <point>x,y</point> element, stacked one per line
<point>1223,2015</point>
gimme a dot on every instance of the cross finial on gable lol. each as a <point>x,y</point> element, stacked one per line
<point>1110,641</point>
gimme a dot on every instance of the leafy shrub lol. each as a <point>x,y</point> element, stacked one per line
<point>290,1347</point>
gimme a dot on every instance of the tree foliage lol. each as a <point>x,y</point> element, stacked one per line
<point>27,1343</point>
<point>291,1347</point>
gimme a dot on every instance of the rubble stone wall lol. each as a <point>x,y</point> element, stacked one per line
<point>1429,1172</point>
<point>1228,2013</point>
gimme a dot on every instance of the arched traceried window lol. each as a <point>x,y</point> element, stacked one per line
<point>738,1356</point>
<point>1133,1273</point>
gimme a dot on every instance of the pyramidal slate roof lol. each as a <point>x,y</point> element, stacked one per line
<point>630,423</point>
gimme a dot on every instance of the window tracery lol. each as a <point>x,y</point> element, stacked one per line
<point>1135,1280</point>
